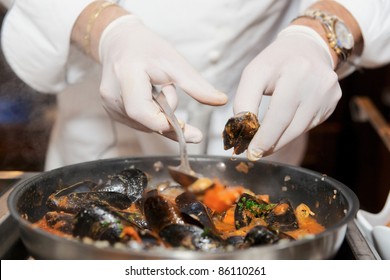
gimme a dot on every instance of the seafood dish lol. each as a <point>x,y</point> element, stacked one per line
<point>126,211</point>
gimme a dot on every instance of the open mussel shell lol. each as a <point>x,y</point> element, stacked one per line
<point>119,191</point>
<point>282,216</point>
<point>190,206</point>
<point>249,207</point>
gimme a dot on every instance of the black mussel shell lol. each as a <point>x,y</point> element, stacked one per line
<point>99,222</point>
<point>189,205</point>
<point>55,201</point>
<point>73,202</point>
<point>282,216</point>
<point>135,218</point>
<point>190,237</point>
<point>260,235</point>
<point>131,182</point>
<point>236,240</point>
<point>149,239</point>
<point>239,131</point>
<point>159,212</point>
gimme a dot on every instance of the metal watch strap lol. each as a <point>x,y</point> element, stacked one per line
<point>328,22</point>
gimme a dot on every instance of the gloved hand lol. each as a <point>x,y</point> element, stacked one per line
<point>133,59</point>
<point>297,70</point>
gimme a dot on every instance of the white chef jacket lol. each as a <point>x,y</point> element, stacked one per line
<point>219,38</point>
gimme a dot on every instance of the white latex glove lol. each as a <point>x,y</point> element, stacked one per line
<point>133,59</point>
<point>297,70</point>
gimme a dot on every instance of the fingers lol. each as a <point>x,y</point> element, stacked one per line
<point>251,88</point>
<point>289,116</point>
<point>308,116</point>
<point>169,91</point>
<point>303,120</point>
<point>281,111</point>
<point>134,59</point>
<point>187,78</point>
<point>191,134</point>
<point>137,100</point>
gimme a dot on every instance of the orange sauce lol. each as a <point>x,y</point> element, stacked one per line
<point>42,223</point>
<point>221,200</point>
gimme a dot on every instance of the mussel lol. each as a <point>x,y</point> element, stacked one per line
<point>159,211</point>
<point>125,209</point>
<point>282,216</point>
<point>190,237</point>
<point>248,208</point>
<point>130,182</point>
<point>100,222</point>
<point>119,191</point>
<point>191,207</point>
<point>239,131</point>
<point>261,235</point>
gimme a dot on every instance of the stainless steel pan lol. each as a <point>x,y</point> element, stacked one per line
<point>334,204</point>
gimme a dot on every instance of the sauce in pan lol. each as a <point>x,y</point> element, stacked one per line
<point>206,216</point>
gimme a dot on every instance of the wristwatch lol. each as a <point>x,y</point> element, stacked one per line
<point>339,36</point>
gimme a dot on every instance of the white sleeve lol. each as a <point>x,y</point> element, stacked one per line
<point>373,18</point>
<point>6,3</point>
<point>36,40</point>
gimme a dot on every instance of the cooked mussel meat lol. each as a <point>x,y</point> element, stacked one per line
<point>60,221</point>
<point>239,131</point>
<point>248,208</point>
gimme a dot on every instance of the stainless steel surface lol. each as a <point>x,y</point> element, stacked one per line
<point>183,173</point>
<point>335,206</point>
<point>361,248</point>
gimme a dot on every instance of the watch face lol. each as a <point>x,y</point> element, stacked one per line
<point>344,36</point>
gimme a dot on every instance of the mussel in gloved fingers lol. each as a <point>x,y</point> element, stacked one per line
<point>239,131</point>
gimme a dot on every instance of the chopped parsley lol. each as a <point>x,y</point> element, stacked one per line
<point>255,208</point>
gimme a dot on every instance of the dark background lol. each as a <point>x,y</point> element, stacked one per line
<point>346,150</point>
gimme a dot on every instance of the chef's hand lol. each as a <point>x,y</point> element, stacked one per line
<point>297,70</point>
<point>133,59</point>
